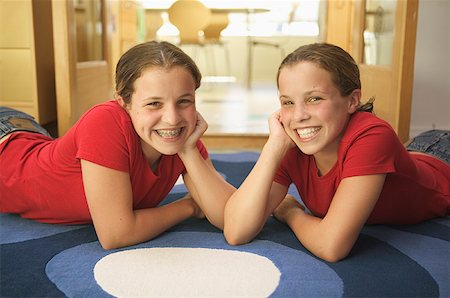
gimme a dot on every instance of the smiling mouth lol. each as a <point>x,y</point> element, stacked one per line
<point>306,133</point>
<point>169,133</point>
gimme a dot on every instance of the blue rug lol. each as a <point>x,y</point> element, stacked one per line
<point>387,261</point>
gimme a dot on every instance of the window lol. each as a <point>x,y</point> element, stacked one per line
<point>258,17</point>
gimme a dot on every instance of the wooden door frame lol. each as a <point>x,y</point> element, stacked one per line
<point>65,61</point>
<point>404,53</point>
<point>351,14</point>
<point>70,75</point>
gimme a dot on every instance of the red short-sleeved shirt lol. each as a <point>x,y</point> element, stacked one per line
<point>41,178</point>
<point>417,187</point>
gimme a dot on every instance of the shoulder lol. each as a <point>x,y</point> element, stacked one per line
<point>105,116</point>
<point>364,125</point>
<point>369,146</point>
<point>105,135</point>
<point>107,123</point>
<point>107,110</point>
<point>361,121</point>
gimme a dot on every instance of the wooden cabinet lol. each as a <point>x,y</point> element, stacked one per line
<point>27,80</point>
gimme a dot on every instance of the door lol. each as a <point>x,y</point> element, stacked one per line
<point>381,36</point>
<point>82,63</point>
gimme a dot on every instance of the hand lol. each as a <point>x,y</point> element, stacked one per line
<point>199,130</point>
<point>197,211</point>
<point>288,204</point>
<point>277,132</point>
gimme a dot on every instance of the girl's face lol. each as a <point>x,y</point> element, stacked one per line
<point>313,112</point>
<point>162,110</point>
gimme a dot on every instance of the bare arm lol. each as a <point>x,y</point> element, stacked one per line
<point>332,237</point>
<point>109,197</point>
<point>248,208</point>
<point>207,187</point>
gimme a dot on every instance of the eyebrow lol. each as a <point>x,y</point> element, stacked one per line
<point>307,93</point>
<point>284,97</point>
<point>153,98</point>
<point>162,98</point>
<point>188,94</point>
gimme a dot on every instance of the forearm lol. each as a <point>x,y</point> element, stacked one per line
<point>144,224</point>
<point>333,237</point>
<point>248,208</point>
<point>318,237</point>
<point>208,188</point>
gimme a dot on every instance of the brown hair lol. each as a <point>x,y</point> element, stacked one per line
<point>342,67</point>
<point>150,54</point>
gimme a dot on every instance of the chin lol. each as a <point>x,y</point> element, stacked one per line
<point>170,150</point>
<point>308,150</point>
<point>167,149</point>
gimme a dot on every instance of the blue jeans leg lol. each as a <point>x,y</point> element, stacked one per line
<point>433,142</point>
<point>12,120</point>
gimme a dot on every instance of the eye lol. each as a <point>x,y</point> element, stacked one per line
<point>185,101</point>
<point>286,102</point>
<point>313,99</point>
<point>155,104</point>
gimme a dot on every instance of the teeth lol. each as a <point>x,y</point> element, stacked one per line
<point>307,132</point>
<point>169,133</point>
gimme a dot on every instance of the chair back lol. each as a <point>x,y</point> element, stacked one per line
<point>190,17</point>
<point>217,22</point>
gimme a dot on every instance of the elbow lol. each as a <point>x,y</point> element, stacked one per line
<point>108,244</point>
<point>233,238</point>
<point>234,241</point>
<point>333,253</point>
<point>332,257</point>
<point>110,241</point>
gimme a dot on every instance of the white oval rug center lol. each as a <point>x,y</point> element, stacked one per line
<point>172,271</point>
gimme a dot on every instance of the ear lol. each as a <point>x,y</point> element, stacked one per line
<point>354,101</point>
<point>121,101</point>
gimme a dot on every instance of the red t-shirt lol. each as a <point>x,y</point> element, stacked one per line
<point>417,187</point>
<point>40,178</point>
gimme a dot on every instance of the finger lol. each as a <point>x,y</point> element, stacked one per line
<point>200,117</point>
<point>201,122</point>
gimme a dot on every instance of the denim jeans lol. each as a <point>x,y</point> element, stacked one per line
<point>12,120</point>
<point>433,142</point>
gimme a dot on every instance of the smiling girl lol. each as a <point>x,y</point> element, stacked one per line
<point>121,158</point>
<point>349,166</point>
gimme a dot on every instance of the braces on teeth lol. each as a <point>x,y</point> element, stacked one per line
<point>304,133</point>
<point>169,133</point>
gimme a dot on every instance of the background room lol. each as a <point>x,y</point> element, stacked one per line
<point>56,75</point>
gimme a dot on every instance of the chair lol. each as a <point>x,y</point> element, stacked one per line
<point>197,26</point>
<point>211,33</point>
<point>190,17</point>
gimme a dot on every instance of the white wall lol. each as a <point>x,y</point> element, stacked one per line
<point>265,60</point>
<point>431,90</point>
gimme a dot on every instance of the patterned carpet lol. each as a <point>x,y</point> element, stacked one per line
<point>193,259</point>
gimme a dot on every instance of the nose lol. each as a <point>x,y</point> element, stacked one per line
<point>171,115</point>
<point>301,111</point>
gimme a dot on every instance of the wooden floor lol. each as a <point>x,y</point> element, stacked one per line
<point>236,115</point>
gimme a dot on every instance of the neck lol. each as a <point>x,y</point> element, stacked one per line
<point>151,155</point>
